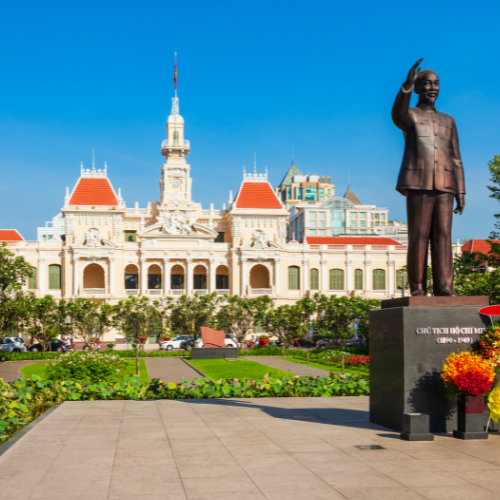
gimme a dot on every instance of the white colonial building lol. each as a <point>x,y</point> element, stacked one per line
<point>98,248</point>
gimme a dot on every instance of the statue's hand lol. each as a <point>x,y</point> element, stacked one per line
<point>412,74</point>
<point>460,204</point>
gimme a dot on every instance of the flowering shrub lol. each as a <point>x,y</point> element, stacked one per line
<point>359,361</point>
<point>489,345</point>
<point>468,374</point>
<point>84,367</point>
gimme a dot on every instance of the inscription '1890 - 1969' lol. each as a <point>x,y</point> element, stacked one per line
<point>450,331</point>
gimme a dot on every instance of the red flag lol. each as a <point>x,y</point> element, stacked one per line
<point>175,71</point>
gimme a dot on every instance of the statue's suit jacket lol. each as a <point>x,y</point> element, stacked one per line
<point>432,154</point>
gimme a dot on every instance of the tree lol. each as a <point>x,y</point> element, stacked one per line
<point>189,314</point>
<point>479,284</point>
<point>469,263</point>
<point>493,256</point>
<point>289,322</point>
<point>89,320</point>
<point>138,318</point>
<point>337,317</point>
<point>45,320</point>
<point>14,303</point>
<point>240,316</point>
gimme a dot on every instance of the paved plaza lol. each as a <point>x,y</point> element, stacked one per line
<point>242,449</point>
<point>289,366</point>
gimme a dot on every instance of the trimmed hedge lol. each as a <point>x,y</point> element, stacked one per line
<point>21,356</point>
<point>24,400</point>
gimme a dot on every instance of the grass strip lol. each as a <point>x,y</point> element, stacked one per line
<point>334,367</point>
<point>241,368</point>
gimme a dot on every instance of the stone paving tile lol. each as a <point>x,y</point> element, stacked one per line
<point>274,449</point>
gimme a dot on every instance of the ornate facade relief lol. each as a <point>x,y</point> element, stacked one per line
<point>175,222</point>
<point>93,237</point>
<point>235,227</point>
<point>259,239</point>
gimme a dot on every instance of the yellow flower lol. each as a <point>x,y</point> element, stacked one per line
<point>494,404</point>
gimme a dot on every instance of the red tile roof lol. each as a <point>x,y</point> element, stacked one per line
<point>10,235</point>
<point>482,246</point>
<point>350,240</point>
<point>89,191</point>
<point>257,195</point>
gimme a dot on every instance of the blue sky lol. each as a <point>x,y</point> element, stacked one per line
<point>253,77</point>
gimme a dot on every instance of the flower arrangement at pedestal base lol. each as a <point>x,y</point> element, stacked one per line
<point>469,377</point>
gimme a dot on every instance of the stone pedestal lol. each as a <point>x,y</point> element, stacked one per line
<point>214,352</point>
<point>410,338</point>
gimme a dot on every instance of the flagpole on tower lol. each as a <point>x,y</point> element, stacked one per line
<point>175,73</point>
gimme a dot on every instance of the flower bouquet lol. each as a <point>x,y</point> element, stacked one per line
<point>469,377</point>
<point>489,346</point>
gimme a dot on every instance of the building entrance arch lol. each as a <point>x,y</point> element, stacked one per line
<point>259,277</point>
<point>94,276</point>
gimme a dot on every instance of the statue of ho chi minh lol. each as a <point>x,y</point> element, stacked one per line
<point>431,176</point>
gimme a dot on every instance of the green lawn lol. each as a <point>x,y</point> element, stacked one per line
<point>335,367</point>
<point>220,368</point>
<point>127,371</point>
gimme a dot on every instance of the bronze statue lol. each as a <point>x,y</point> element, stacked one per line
<point>431,176</point>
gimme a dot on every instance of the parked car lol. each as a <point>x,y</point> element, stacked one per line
<point>9,344</point>
<point>175,343</point>
<point>358,341</point>
<point>166,339</point>
<point>55,345</point>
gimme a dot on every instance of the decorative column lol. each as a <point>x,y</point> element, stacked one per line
<point>350,284</point>
<point>211,270</point>
<point>368,272</point>
<point>76,265</point>
<point>111,262</point>
<point>324,281</point>
<point>390,263</point>
<point>243,276</point>
<point>144,275</point>
<point>277,276</point>
<point>166,276</point>
<point>305,277</point>
<point>189,277</point>
<point>41,273</point>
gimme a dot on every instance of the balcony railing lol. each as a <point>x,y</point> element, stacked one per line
<point>261,291</point>
<point>156,292</point>
<point>200,292</point>
<point>94,291</point>
<point>222,292</point>
<point>178,292</point>
<point>174,144</point>
<point>131,292</point>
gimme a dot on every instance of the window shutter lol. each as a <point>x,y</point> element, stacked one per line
<point>378,279</point>
<point>336,279</point>
<point>54,277</point>
<point>358,279</point>
<point>32,279</point>
<point>314,279</point>
<point>293,278</point>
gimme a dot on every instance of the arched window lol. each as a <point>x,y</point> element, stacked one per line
<point>176,137</point>
<point>358,279</point>
<point>378,279</point>
<point>293,278</point>
<point>336,279</point>
<point>131,277</point>
<point>314,279</point>
<point>401,279</point>
<point>54,277</point>
<point>154,277</point>
<point>32,279</point>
